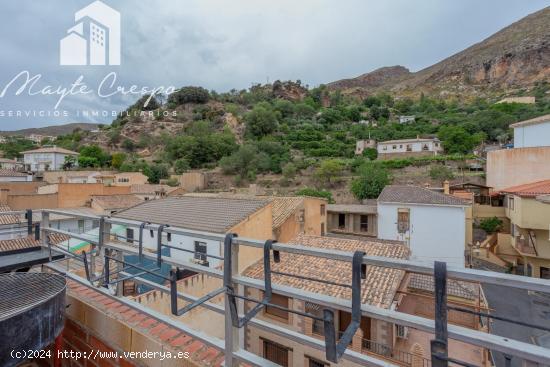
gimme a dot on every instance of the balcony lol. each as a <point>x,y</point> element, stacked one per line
<point>525,246</point>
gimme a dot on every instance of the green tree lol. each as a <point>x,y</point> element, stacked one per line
<point>456,140</point>
<point>88,162</point>
<point>289,171</point>
<point>181,165</point>
<point>316,194</point>
<point>117,159</point>
<point>261,121</point>
<point>189,95</point>
<point>441,173</point>
<point>69,163</point>
<point>370,153</point>
<point>156,172</point>
<point>491,225</point>
<point>93,153</point>
<point>330,171</point>
<point>370,183</point>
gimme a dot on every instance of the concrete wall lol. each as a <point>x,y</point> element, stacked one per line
<point>33,201</point>
<point>510,167</point>
<point>193,181</point>
<point>537,135</point>
<point>436,232</point>
<point>21,187</point>
<point>353,224</point>
<point>77,195</point>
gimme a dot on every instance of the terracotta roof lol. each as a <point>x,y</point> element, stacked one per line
<point>535,121</point>
<point>352,208</point>
<point>456,288</point>
<point>171,339</point>
<point>377,289</point>
<point>6,160</point>
<point>151,189</point>
<point>216,215</point>
<point>464,195</point>
<point>29,242</point>
<point>51,150</point>
<point>284,207</point>
<point>529,190</point>
<point>8,218</point>
<point>417,195</point>
<point>11,173</point>
<point>111,202</point>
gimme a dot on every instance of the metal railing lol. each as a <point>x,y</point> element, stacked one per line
<point>231,344</point>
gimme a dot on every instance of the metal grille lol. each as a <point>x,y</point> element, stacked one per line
<point>22,291</point>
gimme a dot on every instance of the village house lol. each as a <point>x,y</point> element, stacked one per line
<point>409,148</point>
<point>110,204</point>
<point>8,175</point>
<point>46,158</point>
<point>109,178</point>
<point>10,164</point>
<point>353,219</point>
<point>361,145</point>
<point>406,119</point>
<point>153,191</point>
<point>432,224</point>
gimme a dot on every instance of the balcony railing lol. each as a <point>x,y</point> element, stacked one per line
<point>234,354</point>
<point>524,246</point>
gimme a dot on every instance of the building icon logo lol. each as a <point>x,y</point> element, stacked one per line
<point>95,39</point>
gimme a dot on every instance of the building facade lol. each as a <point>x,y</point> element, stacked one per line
<point>431,223</point>
<point>409,148</point>
<point>532,133</point>
<point>48,158</point>
<point>353,219</point>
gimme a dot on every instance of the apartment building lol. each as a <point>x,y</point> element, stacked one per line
<point>527,208</point>
<point>431,223</point>
<point>46,158</point>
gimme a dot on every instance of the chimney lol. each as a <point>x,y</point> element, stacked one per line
<point>446,188</point>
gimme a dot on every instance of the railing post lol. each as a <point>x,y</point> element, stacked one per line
<point>45,224</point>
<point>37,231</point>
<point>440,343</point>
<point>231,265</point>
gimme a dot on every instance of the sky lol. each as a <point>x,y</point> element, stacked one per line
<point>222,45</point>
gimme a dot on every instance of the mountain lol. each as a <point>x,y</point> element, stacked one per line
<point>514,58</point>
<point>55,130</point>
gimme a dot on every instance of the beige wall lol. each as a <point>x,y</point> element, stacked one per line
<point>529,213</point>
<point>33,201</point>
<point>258,226</point>
<point>134,178</point>
<point>76,195</point>
<point>510,167</point>
<point>313,223</point>
<point>21,187</point>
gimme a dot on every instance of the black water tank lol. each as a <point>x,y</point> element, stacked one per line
<point>32,311</point>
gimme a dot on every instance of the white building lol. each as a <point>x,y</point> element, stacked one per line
<point>47,158</point>
<point>406,119</point>
<point>361,145</point>
<point>532,133</point>
<point>410,147</point>
<point>431,223</point>
<point>8,175</point>
<point>10,164</point>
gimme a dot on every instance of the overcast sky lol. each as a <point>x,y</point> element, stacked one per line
<point>221,44</point>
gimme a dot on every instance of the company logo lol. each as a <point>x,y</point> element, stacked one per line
<point>95,39</point>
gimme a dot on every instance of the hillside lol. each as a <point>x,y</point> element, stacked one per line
<point>512,59</point>
<point>54,130</point>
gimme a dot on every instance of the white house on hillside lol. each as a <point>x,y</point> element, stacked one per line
<point>532,133</point>
<point>409,147</point>
<point>47,158</point>
<point>431,223</point>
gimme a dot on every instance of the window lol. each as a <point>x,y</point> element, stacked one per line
<point>403,217</point>
<point>364,223</point>
<point>322,229</point>
<point>384,147</point>
<point>282,301</point>
<point>129,235</point>
<point>276,353</point>
<point>400,146</point>
<point>318,326</point>
<point>323,209</point>
<point>151,233</point>
<point>200,251</point>
<point>81,226</point>
<point>394,147</point>
<point>409,148</point>
<point>544,273</point>
<point>511,203</point>
<point>341,221</point>
<point>425,147</point>
<point>169,236</point>
<point>315,363</point>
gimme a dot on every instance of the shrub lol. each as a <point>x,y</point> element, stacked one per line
<point>441,173</point>
<point>189,95</point>
<point>370,183</point>
<point>491,225</point>
<point>262,120</point>
<point>181,166</point>
<point>330,171</point>
<point>316,193</point>
<point>289,171</point>
<point>370,153</point>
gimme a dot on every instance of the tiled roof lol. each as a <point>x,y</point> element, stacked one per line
<point>456,288</point>
<point>377,289</point>
<point>536,120</point>
<point>151,189</point>
<point>352,208</point>
<point>216,215</point>
<point>11,173</point>
<point>408,194</point>
<point>6,160</point>
<point>8,218</point>
<point>51,150</point>
<point>171,339</point>
<point>24,243</point>
<point>529,190</point>
<point>284,207</point>
<point>110,202</point>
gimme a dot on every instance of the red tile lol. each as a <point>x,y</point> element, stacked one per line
<point>158,329</point>
<point>181,340</point>
<point>148,322</point>
<point>129,314</point>
<point>168,334</point>
<point>195,346</point>
<point>138,318</point>
<point>209,355</point>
